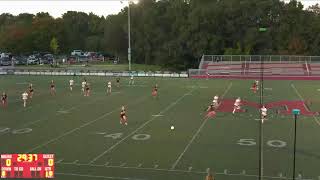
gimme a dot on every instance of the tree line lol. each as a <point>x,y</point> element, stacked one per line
<point>172,33</point>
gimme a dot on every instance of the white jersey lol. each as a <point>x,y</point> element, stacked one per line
<point>83,84</point>
<point>264,111</point>
<point>237,102</point>
<point>215,99</point>
<point>109,84</point>
<point>71,82</point>
<point>25,96</point>
<point>131,78</point>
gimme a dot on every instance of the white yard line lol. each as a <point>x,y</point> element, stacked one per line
<point>78,128</point>
<point>94,176</point>
<point>140,127</point>
<point>196,134</point>
<point>300,96</point>
<point>189,144</point>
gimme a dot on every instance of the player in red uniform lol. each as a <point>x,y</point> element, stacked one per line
<point>52,88</point>
<point>254,87</point>
<point>123,117</point>
<point>155,91</point>
<point>4,99</point>
<point>30,91</point>
<point>211,111</point>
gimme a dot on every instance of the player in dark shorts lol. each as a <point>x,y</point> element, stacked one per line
<point>52,88</point>
<point>4,99</point>
<point>211,111</point>
<point>123,117</point>
<point>118,82</point>
<point>87,90</point>
<point>30,91</point>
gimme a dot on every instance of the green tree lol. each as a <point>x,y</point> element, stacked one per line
<point>54,45</point>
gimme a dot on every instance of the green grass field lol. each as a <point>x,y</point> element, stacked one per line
<point>88,141</point>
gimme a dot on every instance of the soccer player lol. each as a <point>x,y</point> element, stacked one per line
<point>155,91</point>
<point>123,117</point>
<point>209,176</point>
<point>131,82</point>
<point>52,88</point>
<point>118,82</point>
<point>237,105</point>
<point>263,113</point>
<point>216,101</point>
<point>24,98</point>
<point>211,111</point>
<point>254,87</point>
<point>83,85</point>
<point>30,91</point>
<point>109,87</point>
<point>71,83</point>
<point>87,90</point>
<point>4,99</point>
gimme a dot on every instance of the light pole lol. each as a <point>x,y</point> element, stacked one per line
<point>129,36</point>
<point>295,112</point>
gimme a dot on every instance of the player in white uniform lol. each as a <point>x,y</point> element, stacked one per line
<point>263,113</point>
<point>109,88</point>
<point>24,98</point>
<point>215,101</point>
<point>83,84</point>
<point>131,82</point>
<point>237,104</point>
<point>71,83</point>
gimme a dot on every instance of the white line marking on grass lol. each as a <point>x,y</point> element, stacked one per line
<point>190,168</point>
<point>123,164</point>
<point>140,165</point>
<point>107,163</point>
<point>59,161</point>
<point>270,89</point>
<point>157,115</point>
<point>181,171</point>
<point>75,162</point>
<point>196,134</point>
<point>156,166</point>
<point>225,171</point>
<point>140,127</point>
<point>189,144</point>
<point>94,176</point>
<point>318,89</point>
<point>301,98</point>
<point>280,175</point>
<point>243,172</point>
<point>78,128</point>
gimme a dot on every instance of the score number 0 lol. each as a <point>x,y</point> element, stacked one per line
<point>49,173</point>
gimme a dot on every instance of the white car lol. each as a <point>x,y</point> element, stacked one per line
<point>32,60</point>
<point>76,53</point>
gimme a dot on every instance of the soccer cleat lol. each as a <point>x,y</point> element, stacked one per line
<point>126,124</point>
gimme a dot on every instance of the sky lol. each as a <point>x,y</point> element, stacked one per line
<point>58,7</point>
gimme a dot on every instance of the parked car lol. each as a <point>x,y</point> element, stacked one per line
<point>20,60</point>
<point>32,60</point>
<point>47,59</point>
<point>72,60</point>
<point>5,61</point>
<point>77,53</point>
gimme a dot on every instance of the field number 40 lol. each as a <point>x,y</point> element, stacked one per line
<point>137,137</point>
<point>271,143</point>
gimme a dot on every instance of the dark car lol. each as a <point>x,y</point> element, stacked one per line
<point>5,61</point>
<point>20,60</point>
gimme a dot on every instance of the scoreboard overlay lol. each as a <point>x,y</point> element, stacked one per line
<point>27,165</point>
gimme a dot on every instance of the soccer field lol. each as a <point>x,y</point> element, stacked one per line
<point>88,141</point>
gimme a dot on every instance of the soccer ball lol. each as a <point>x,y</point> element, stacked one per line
<point>172,127</point>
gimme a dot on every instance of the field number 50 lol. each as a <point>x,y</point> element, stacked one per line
<point>271,143</point>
